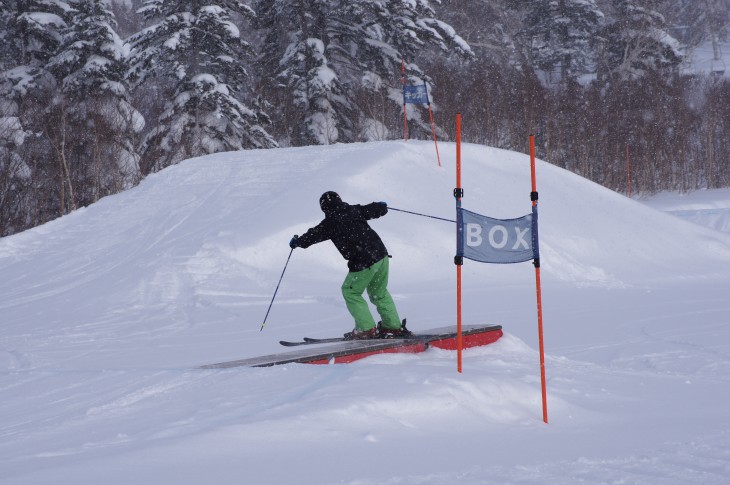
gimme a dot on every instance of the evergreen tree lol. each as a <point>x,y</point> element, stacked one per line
<point>97,123</point>
<point>560,33</point>
<point>14,173</point>
<point>637,41</point>
<point>6,17</point>
<point>300,76</point>
<point>198,47</point>
<point>321,56</point>
<point>701,21</point>
<point>488,26</point>
<point>12,134</point>
<point>33,186</point>
<point>31,34</point>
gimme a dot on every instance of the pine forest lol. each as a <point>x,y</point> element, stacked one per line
<point>97,94</point>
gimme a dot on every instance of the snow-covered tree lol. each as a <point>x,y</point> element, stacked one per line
<point>488,26</point>
<point>320,55</point>
<point>97,123</point>
<point>559,34</point>
<point>12,134</point>
<point>14,172</point>
<point>318,92</point>
<point>699,21</point>
<point>200,49</point>
<point>31,34</point>
<point>637,41</point>
<point>295,61</point>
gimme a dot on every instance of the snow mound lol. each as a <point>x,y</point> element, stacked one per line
<point>107,312</point>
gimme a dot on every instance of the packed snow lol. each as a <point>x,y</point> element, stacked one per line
<point>109,312</point>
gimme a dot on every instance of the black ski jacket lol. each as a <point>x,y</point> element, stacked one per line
<point>346,225</point>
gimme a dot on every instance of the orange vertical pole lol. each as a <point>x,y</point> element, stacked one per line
<point>433,130</point>
<point>433,125</point>
<point>532,167</point>
<point>405,118</point>
<point>536,262</point>
<point>458,193</point>
<point>628,171</point>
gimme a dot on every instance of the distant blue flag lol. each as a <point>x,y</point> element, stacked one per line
<point>415,94</point>
<point>487,240</point>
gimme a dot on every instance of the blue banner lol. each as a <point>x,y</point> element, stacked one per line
<point>415,94</point>
<point>487,240</point>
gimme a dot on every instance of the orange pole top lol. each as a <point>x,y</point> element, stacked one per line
<point>532,166</point>
<point>458,150</point>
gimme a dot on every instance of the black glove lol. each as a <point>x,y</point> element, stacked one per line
<point>294,242</point>
<point>383,203</point>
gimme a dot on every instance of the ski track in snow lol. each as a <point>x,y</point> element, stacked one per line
<point>107,313</point>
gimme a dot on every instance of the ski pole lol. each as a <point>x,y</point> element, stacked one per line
<point>277,289</point>
<point>422,215</point>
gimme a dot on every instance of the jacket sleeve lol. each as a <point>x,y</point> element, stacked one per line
<point>315,235</point>
<point>373,210</point>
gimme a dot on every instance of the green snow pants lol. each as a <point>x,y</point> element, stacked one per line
<point>375,280</point>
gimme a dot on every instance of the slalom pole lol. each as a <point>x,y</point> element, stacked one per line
<point>628,171</point>
<point>433,125</point>
<point>405,118</point>
<point>536,262</point>
<point>277,289</point>
<point>458,260</point>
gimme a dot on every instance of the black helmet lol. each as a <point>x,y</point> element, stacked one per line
<point>329,201</point>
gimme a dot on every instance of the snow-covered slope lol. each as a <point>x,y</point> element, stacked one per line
<point>107,312</point>
<point>709,208</point>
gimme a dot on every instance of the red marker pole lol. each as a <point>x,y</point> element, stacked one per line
<point>458,260</point>
<point>405,118</point>
<point>536,262</point>
<point>628,172</point>
<point>433,125</point>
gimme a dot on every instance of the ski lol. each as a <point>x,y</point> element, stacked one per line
<point>286,343</point>
<point>311,341</point>
<point>314,341</point>
<point>323,340</point>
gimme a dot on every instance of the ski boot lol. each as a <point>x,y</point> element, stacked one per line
<point>356,334</point>
<point>401,332</point>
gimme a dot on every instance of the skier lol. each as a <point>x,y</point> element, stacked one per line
<point>367,259</point>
